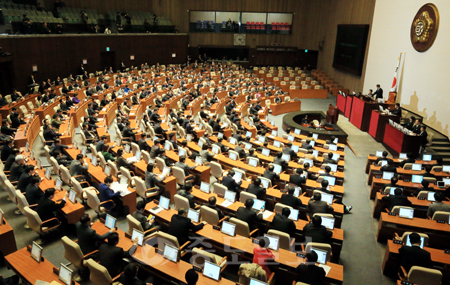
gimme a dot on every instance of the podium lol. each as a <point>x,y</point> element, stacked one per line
<point>397,142</point>
<point>378,122</point>
<point>341,102</point>
<point>348,105</point>
<point>362,107</point>
<point>332,115</point>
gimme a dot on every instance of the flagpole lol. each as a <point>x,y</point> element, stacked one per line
<point>394,82</point>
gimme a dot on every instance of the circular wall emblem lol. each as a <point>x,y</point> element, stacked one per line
<point>425,27</point>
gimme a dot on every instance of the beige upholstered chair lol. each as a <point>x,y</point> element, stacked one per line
<point>210,216</point>
<point>141,189</point>
<point>180,202</point>
<point>181,176</point>
<point>322,246</point>
<point>99,274</point>
<point>37,225</point>
<point>73,253</point>
<point>242,228</point>
<point>422,276</point>
<point>440,216</point>
<point>285,240</point>
<point>94,203</point>
<point>219,189</point>
<point>279,207</point>
<point>163,238</point>
<point>246,195</point>
<point>135,224</point>
<point>199,256</point>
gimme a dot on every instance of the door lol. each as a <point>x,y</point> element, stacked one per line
<point>108,59</point>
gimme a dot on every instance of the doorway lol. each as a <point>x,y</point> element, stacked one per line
<point>107,60</point>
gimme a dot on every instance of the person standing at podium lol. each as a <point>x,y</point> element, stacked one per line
<point>378,93</point>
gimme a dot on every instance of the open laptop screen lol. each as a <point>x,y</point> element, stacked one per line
<point>406,213</point>
<point>211,270</point>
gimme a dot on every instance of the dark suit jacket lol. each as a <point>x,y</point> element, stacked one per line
<point>283,224</point>
<point>24,180</point>
<point>180,227</point>
<point>318,207</point>
<point>230,183</point>
<point>46,207</point>
<point>291,200</point>
<point>111,258</point>
<point>257,190</point>
<point>395,200</point>
<point>143,220</point>
<point>33,194</point>
<point>219,212</point>
<point>271,175</point>
<point>317,233</point>
<point>310,274</point>
<point>122,162</point>
<point>297,180</point>
<point>16,171</point>
<point>6,151</point>
<point>414,256</point>
<point>88,238</point>
<point>378,93</point>
<point>249,216</point>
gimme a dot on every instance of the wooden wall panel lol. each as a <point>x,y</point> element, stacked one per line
<point>105,5</point>
<point>62,55</point>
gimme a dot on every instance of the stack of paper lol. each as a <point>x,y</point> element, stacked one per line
<point>267,214</point>
<point>226,203</point>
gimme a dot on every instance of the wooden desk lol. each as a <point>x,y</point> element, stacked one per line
<point>29,269</point>
<point>388,225</point>
<point>362,107</point>
<point>391,261</point>
<point>397,142</point>
<point>378,122</point>
<point>7,239</point>
<point>372,159</point>
<point>22,137</point>
<point>124,242</point>
<point>6,110</point>
<point>408,187</point>
<point>283,108</point>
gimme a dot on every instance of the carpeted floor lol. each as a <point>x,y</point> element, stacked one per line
<point>361,254</point>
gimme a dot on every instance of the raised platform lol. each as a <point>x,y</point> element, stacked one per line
<point>293,121</point>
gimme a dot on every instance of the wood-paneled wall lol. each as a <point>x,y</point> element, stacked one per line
<point>105,5</point>
<point>62,55</point>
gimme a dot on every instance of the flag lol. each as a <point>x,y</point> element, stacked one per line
<point>394,82</point>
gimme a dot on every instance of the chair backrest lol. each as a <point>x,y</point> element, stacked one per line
<point>324,215</point>
<point>101,160</point>
<point>180,202</point>
<point>145,156</point>
<point>72,252</point>
<point>422,194</point>
<point>114,170</point>
<point>279,207</point>
<point>33,220</point>
<point>55,165</point>
<point>133,224</point>
<point>242,227</point>
<point>440,216</point>
<point>247,159</point>
<point>93,149</point>
<point>11,191</point>
<point>92,200</point>
<point>284,238</point>
<point>65,174</point>
<point>125,172</point>
<point>160,163</point>
<point>407,165</point>
<point>266,179</point>
<point>235,153</point>
<point>140,186</point>
<point>199,257</point>
<point>240,171</point>
<point>134,148</point>
<point>99,274</point>
<point>318,245</point>
<point>209,215</point>
<point>30,105</point>
<point>164,238</point>
<point>430,179</point>
<point>437,168</point>
<point>246,195</point>
<point>396,209</point>
<point>425,236</point>
<point>179,174</point>
<point>216,169</point>
<point>21,201</point>
<point>219,189</point>
<point>24,110</point>
<point>422,275</point>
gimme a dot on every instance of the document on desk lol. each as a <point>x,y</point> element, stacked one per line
<point>156,210</point>
<point>326,268</point>
<point>267,214</point>
<point>226,203</point>
<point>116,186</point>
<point>40,282</point>
<point>132,159</point>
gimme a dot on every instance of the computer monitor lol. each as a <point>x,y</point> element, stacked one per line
<point>194,215</point>
<point>27,147</point>
<point>200,143</point>
<point>274,242</point>
<point>406,213</point>
<point>286,157</point>
<point>446,181</point>
<point>48,172</point>
<point>311,163</point>
<point>277,168</point>
<point>211,270</point>
<point>181,152</point>
<point>297,191</point>
<point>247,146</point>
<point>230,196</point>
<point>127,148</point>
<point>228,228</point>
<point>331,180</point>
<point>257,282</point>
<point>266,152</point>
<point>417,179</point>
<point>189,137</point>
<point>232,141</point>
<point>402,156</point>
<point>123,180</point>
<point>276,144</point>
<point>215,149</point>
<point>261,139</point>
<point>237,176</point>
<point>107,170</point>
<point>335,140</point>
<point>170,253</point>
<point>392,190</point>
<point>72,196</point>
<point>321,255</point>
<point>65,274</point>
<point>431,196</point>
<point>290,138</point>
<point>379,153</point>
<point>333,167</point>
<point>110,222</point>
<point>167,145</point>
<point>332,147</point>
<point>258,204</point>
<point>315,136</point>
<point>295,148</point>
<point>164,202</point>
<point>293,215</point>
<point>440,184</point>
<point>446,168</point>
<point>336,156</point>
<point>248,134</point>
<point>422,242</point>
<point>58,184</point>
<point>38,163</point>
<point>327,198</point>
<point>220,135</point>
<point>427,157</point>
<point>139,235</point>
<point>328,222</point>
<point>274,133</point>
<point>252,162</point>
<point>204,187</point>
<point>297,131</point>
<point>138,155</point>
<point>232,156</point>
<point>384,162</point>
<point>32,156</point>
<point>198,160</point>
<point>416,167</point>
<point>36,251</point>
<point>94,160</point>
<point>387,175</point>
<point>265,183</point>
